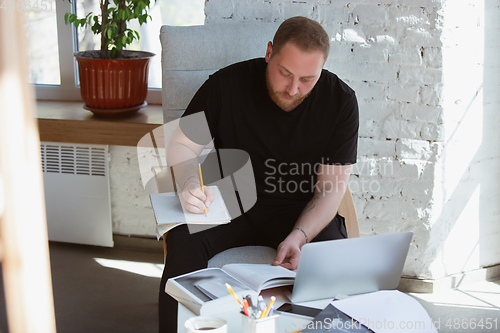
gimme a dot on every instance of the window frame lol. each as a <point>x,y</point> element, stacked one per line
<point>67,40</point>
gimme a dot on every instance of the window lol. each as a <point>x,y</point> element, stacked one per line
<point>41,35</point>
<point>51,43</point>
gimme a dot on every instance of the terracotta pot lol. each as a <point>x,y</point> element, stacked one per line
<point>114,83</point>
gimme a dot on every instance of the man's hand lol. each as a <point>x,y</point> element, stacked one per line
<point>289,251</point>
<point>194,200</point>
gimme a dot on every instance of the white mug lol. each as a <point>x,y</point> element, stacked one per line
<point>205,324</point>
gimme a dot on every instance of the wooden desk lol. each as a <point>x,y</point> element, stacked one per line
<point>286,323</point>
<point>60,121</point>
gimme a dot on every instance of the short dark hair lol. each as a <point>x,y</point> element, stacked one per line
<point>308,35</point>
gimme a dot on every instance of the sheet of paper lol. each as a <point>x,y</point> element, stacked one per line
<point>255,275</point>
<point>213,288</point>
<point>190,280</point>
<point>387,311</point>
<point>168,209</point>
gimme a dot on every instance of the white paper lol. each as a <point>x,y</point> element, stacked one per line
<point>168,209</point>
<point>256,276</point>
<point>213,288</point>
<point>387,311</point>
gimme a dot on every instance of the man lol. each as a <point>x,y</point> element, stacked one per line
<point>299,125</point>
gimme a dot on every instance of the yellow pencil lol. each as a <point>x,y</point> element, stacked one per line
<point>234,295</point>
<point>268,308</point>
<point>202,187</point>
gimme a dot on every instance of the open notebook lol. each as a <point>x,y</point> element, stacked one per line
<point>204,291</point>
<point>169,212</point>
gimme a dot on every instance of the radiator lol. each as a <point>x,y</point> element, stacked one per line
<point>76,184</point>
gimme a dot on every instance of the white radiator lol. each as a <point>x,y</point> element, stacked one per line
<point>76,184</point>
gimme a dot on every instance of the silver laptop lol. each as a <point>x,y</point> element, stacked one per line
<point>350,266</point>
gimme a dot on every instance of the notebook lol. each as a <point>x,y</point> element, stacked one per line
<point>169,212</point>
<point>351,266</point>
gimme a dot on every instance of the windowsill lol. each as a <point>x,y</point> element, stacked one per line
<point>61,121</point>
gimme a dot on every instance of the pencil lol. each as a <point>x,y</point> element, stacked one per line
<point>202,187</point>
<point>234,295</point>
<point>246,307</point>
<point>266,311</point>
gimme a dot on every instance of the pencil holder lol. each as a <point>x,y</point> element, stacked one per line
<point>264,325</point>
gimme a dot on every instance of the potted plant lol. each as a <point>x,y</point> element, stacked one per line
<point>113,80</point>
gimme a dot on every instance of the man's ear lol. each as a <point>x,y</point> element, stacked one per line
<point>269,51</point>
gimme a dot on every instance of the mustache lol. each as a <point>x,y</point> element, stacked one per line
<point>297,95</point>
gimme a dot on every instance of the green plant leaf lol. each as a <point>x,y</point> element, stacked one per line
<point>143,18</point>
<point>106,24</point>
<point>96,28</point>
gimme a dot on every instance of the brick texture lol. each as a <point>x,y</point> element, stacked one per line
<point>407,62</point>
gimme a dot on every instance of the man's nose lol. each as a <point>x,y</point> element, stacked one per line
<point>293,87</point>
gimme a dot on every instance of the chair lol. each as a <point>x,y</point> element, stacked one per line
<point>189,56</point>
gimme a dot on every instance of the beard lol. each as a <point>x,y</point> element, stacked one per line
<point>286,105</point>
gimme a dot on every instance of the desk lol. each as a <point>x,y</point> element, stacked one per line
<point>286,323</point>
<point>385,311</point>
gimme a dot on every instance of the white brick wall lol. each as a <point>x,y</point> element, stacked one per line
<point>427,144</point>
<point>466,213</point>
<point>130,205</point>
